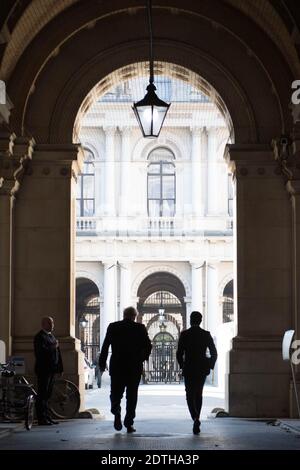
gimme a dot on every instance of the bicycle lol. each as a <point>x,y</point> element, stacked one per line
<point>63,404</point>
<point>17,400</point>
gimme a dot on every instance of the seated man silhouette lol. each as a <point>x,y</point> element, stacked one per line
<point>131,346</point>
<point>195,365</point>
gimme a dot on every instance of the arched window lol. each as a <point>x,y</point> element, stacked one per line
<point>161,183</point>
<point>228,302</point>
<point>86,188</point>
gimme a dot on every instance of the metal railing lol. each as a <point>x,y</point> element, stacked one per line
<point>154,226</point>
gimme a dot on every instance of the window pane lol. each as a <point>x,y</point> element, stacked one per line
<point>168,168</point>
<point>78,209</point>
<point>154,168</point>
<point>168,208</point>
<point>88,207</point>
<point>88,187</point>
<point>154,207</point>
<point>153,186</point>
<point>88,168</point>
<point>168,187</point>
<point>160,154</point>
<point>78,187</point>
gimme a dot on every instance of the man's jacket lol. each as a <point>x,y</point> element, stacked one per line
<point>130,347</point>
<point>192,351</point>
<point>47,356</point>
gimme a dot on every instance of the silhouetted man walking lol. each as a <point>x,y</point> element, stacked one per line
<point>48,362</point>
<point>130,346</point>
<point>195,365</point>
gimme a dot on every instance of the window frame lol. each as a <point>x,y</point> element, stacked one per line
<point>161,175</point>
<point>88,161</point>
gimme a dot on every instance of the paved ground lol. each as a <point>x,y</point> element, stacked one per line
<point>162,423</point>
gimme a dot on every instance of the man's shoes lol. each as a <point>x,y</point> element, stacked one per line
<point>196,427</point>
<point>130,429</point>
<point>44,422</point>
<point>117,422</point>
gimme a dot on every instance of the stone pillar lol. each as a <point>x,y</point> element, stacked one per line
<point>258,381</point>
<point>109,178</point>
<point>197,202</point>
<point>44,262</point>
<point>125,287</point>
<point>99,203</point>
<point>292,172</point>
<point>125,171</point>
<point>109,313</point>
<point>212,298</point>
<point>212,317</point>
<point>13,159</point>
<point>188,305</point>
<point>197,294</point>
<point>212,170</point>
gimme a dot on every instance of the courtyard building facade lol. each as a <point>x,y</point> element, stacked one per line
<point>155,221</point>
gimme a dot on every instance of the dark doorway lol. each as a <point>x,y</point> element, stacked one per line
<point>162,310</point>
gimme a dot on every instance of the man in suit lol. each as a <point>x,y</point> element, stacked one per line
<point>195,365</point>
<point>131,346</point>
<point>48,363</point>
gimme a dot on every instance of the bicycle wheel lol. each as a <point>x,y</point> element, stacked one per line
<point>65,399</point>
<point>29,412</point>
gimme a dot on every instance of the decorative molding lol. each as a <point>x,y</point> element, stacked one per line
<point>91,277</point>
<point>227,278</point>
<point>142,148</point>
<point>159,268</point>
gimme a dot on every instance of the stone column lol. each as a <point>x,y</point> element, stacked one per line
<point>99,203</point>
<point>212,170</point>
<point>125,171</point>
<point>125,287</point>
<point>188,305</point>
<point>212,298</point>
<point>197,294</point>
<point>44,262</point>
<point>212,318</point>
<point>13,159</point>
<point>258,378</point>
<point>109,178</point>
<point>109,298</point>
<point>197,202</point>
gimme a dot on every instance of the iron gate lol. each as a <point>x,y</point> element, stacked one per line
<point>162,365</point>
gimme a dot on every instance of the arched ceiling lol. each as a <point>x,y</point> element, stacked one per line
<point>161,281</point>
<point>16,35</point>
<point>85,290</point>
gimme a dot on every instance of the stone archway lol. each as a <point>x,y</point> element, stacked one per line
<point>219,43</point>
<point>162,310</point>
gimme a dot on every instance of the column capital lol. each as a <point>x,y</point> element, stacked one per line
<point>14,163</point>
<point>110,130</point>
<point>197,264</point>
<point>7,142</point>
<point>196,131</point>
<point>8,187</point>
<point>211,130</point>
<point>212,264</point>
<point>107,263</point>
<point>293,187</point>
<point>125,130</point>
<point>125,264</point>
